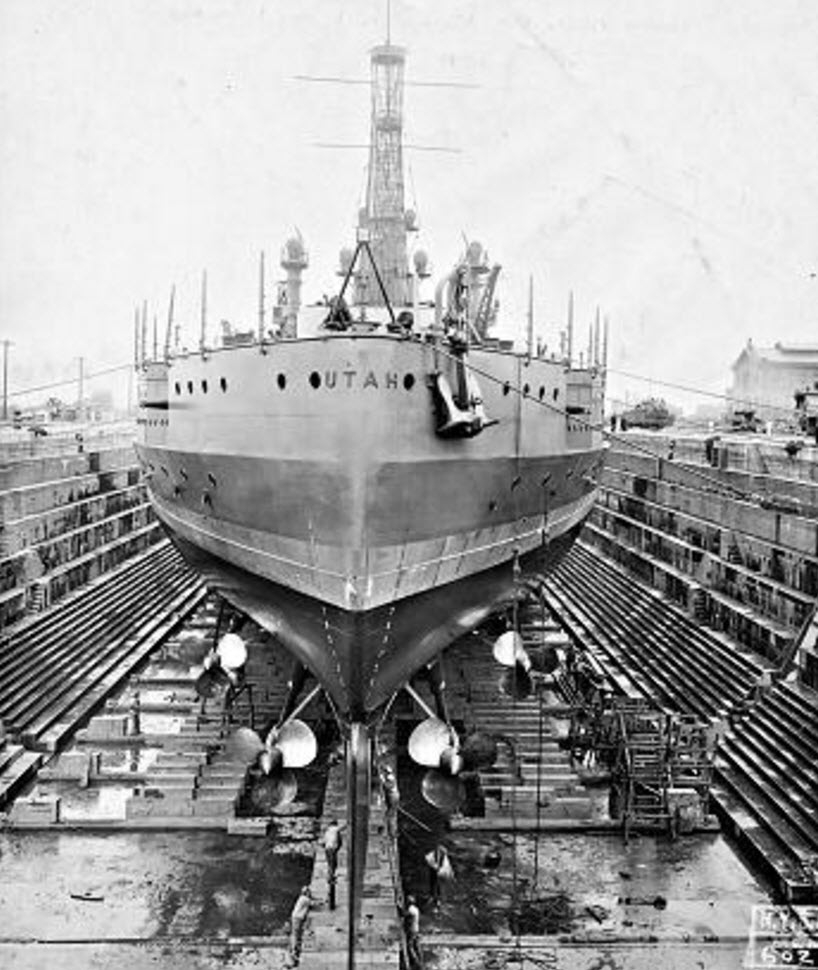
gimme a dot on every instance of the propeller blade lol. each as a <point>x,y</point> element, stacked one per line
<point>232,651</point>
<point>509,650</point>
<point>244,744</point>
<point>447,794</point>
<point>516,683</point>
<point>296,742</point>
<point>479,750</point>
<point>211,682</point>
<point>428,742</point>
<point>545,660</point>
<point>270,793</point>
<point>506,648</point>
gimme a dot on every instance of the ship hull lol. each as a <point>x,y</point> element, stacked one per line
<point>430,524</point>
<point>310,487</point>
<point>362,657</point>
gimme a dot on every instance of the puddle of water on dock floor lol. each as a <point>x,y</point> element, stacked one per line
<point>159,884</point>
<point>102,802</point>
<point>153,723</point>
<point>166,695</point>
<point>128,759</point>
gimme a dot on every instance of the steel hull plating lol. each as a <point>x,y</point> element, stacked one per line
<point>361,658</point>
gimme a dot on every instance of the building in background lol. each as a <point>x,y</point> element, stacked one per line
<point>765,379</point>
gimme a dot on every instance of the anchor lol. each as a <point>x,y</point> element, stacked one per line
<point>462,415</point>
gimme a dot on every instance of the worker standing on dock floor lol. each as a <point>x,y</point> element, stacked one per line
<point>298,919</point>
<point>332,846</point>
<point>440,870</point>
<point>411,923</point>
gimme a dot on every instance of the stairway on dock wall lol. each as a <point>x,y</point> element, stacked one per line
<point>767,790</point>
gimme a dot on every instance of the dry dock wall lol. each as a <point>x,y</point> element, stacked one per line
<point>717,533</point>
<point>67,515</point>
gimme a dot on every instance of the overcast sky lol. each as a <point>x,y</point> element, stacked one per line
<point>658,157</point>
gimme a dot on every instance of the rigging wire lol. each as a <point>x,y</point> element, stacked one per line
<point>515,764</point>
<point>69,380</point>
<point>515,613</point>
<point>601,427</point>
<point>539,760</point>
<point>610,435</point>
<point>702,393</point>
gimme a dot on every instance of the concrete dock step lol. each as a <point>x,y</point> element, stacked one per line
<point>18,772</point>
<point>8,754</point>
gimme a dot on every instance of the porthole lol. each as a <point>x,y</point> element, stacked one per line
<point>204,387</point>
<point>190,387</point>
<point>177,387</point>
<point>555,393</point>
<point>506,388</point>
<point>542,392</point>
<point>282,381</point>
<point>408,381</point>
<point>223,383</point>
<point>315,380</point>
<point>183,473</point>
<point>211,478</point>
<point>526,390</point>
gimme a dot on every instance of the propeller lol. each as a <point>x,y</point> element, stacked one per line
<point>293,745</point>
<point>442,791</point>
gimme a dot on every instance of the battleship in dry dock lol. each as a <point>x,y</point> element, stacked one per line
<point>362,482</point>
<point>370,478</point>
